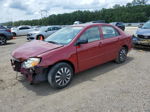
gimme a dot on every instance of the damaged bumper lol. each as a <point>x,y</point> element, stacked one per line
<point>141,42</point>
<point>33,75</point>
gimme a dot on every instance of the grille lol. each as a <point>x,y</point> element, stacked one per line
<point>16,65</point>
<point>144,37</point>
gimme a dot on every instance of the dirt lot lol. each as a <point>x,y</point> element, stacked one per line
<point>106,88</point>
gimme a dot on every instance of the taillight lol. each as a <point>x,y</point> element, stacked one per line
<point>8,30</point>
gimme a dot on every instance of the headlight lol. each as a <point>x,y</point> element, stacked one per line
<point>33,33</point>
<point>135,35</point>
<point>31,62</point>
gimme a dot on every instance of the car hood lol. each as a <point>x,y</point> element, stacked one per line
<point>34,32</point>
<point>143,32</point>
<point>33,49</point>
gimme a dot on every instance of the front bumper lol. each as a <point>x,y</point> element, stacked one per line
<point>31,37</point>
<point>33,75</point>
<point>141,42</point>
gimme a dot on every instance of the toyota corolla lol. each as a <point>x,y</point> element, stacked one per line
<point>70,50</point>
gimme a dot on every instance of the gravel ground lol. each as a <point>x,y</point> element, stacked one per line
<point>107,88</point>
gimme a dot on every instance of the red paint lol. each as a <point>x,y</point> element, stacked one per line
<point>82,57</point>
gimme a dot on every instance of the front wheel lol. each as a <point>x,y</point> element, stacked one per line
<point>122,55</point>
<point>3,40</point>
<point>60,75</point>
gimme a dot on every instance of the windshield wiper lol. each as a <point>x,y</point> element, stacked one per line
<point>52,42</point>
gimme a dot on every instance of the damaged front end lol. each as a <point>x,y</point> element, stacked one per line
<point>33,74</point>
<point>140,40</point>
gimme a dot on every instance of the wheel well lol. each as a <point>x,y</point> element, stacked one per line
<point>39,35</point>
<point>125,46</point>
<point>65,61</point>
<point>14,33</point>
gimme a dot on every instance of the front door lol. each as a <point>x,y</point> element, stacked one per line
<point>89,54</point>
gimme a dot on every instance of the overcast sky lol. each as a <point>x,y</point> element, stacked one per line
<point>13,10</point>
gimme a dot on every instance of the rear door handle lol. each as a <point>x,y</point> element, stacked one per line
<point>100,43</point>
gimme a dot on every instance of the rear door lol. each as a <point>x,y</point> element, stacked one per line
<point>110,43</point>
<point>89,54</point>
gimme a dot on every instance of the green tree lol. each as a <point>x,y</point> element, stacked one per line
<point>139,2</point>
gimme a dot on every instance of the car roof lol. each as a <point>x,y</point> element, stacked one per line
<point>90,24</point>
<point>51,26</point>
<point>24,26</point>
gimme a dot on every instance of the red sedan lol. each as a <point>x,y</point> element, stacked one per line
<point>70,50</point>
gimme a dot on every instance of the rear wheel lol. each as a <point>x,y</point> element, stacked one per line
<point>3,40</point>
<point>14,34</point>
<point>122,55</point>
<point>60,75</point>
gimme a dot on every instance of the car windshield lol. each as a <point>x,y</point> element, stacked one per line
<point>113,23</point>
<point>146,25</point>
<point>64,36</point>
<point>2,27</point>
<point>43,28</point>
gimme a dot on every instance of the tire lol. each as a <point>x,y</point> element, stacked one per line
<point>60,75</point>
<point>122,55</point>
<point>14,34</point>
<point>40,37</point>
<point>3,40</point>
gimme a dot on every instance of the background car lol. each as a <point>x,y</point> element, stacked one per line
<point>97,21</point>
<point>21,30</point>
<point>119,25</point>
<point>42,33</point>
<point>5,34</point>
<point>77,22</point>
<point>8,27</point>
<point>142,36</point>
<point>70,50</point>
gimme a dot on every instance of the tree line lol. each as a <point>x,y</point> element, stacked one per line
<point>129,13</point>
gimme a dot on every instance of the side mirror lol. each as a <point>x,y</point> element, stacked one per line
<point>79,42</point>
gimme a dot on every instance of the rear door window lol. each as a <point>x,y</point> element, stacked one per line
<point>109,32</point>
<point>24,28</point>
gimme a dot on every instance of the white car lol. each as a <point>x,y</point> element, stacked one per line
<point>42,32</point>
<point>77,22</point>
<point>21,30</point>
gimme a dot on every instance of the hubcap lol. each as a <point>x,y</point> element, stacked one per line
<point>2,40</point>
<point>63,76</point>
<point>123,55</point>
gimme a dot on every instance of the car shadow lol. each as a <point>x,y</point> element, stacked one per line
<point>44,89</point>
<point>143,49</point>
<point>10,43</point>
